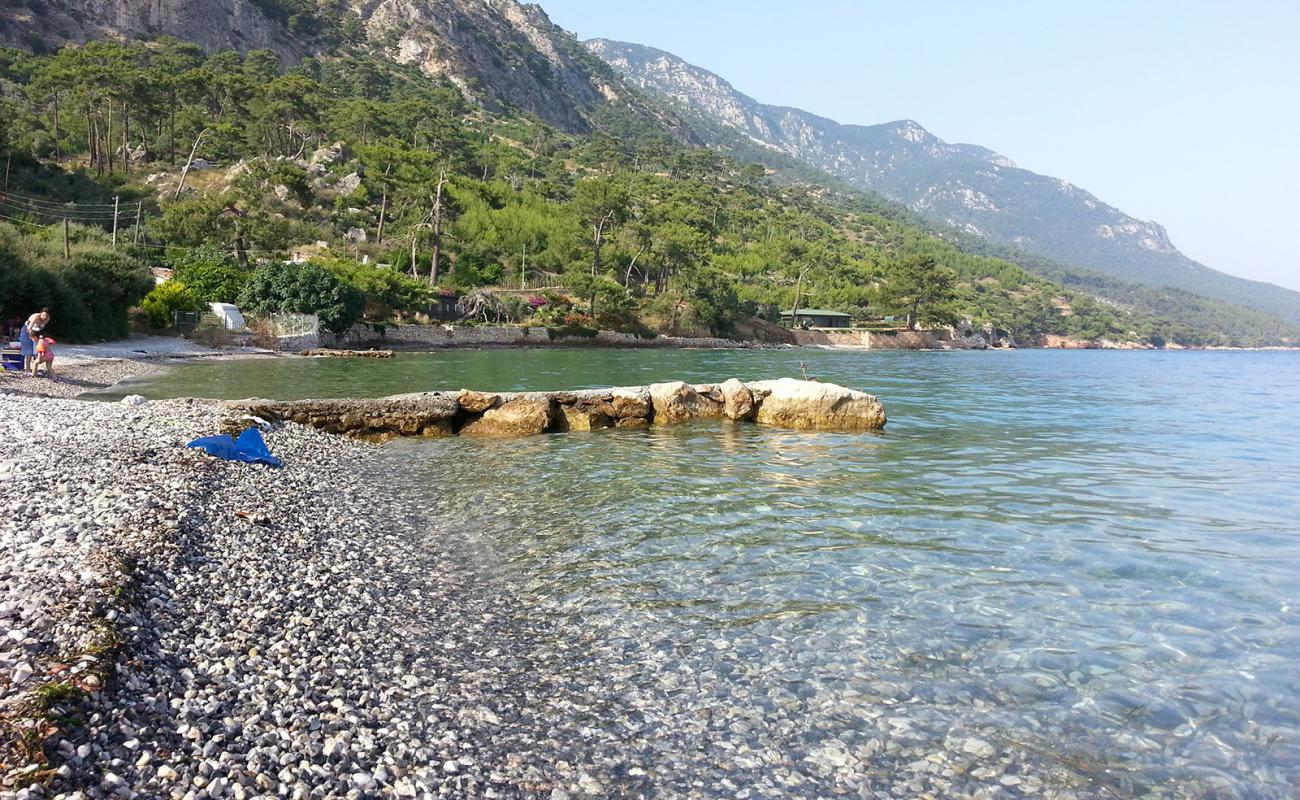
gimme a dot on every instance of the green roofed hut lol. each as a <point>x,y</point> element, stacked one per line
<point>816,318</point>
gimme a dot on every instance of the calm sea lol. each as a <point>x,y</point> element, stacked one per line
<point>1085,562</point>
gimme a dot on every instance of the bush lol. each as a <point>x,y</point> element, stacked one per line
<point>475,269</point>
<point>213,275</point>
<point>302,289</point>
<point>161,305</point>
<point>387,292</point>
<point>99,291</point>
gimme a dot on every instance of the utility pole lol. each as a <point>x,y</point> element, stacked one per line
<point>67,248</point>
<point>523,268</point>
<point>115,199</point>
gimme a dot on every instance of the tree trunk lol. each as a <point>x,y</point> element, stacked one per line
<point>171,133</point>
<point>90,137</point>
<point>798,296</point>
<point>108,135</point>
<point>383,207</point>
<point>598,240</point>
<point>126,138</point>
<point>627,276</point>
<point>180,184</point>
<point>58,154</point>
<point>437,229</point>
<point>415,239</point>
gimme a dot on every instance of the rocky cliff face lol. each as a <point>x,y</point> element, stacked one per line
<point>213,24</point>
<point>502,54</point>
<point>967,187</point>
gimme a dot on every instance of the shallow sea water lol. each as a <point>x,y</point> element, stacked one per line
<point>1055,572</point>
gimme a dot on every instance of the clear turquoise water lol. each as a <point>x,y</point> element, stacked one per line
<point>1089,560</point>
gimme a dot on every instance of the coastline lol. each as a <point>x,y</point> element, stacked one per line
<point>89,372</point>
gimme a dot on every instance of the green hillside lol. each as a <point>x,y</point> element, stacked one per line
<point>630,227</point>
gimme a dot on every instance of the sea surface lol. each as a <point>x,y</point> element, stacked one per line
<point>1054,572</point>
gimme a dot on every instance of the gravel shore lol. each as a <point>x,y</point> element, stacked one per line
<point>74,378</point>
<point>175,626</point>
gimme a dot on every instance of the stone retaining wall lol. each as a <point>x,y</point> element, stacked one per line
<point>874,340</point>
<point>297,343</point>
<point>413,337</point>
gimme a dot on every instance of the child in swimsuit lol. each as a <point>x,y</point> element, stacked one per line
<point>44,355</point>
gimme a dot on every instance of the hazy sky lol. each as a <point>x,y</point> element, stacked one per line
<point>1186,113</point>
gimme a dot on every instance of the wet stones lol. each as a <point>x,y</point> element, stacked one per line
<point>472,402</point>
<point>789,403</point>
<point>402,415</point>
<point>522,416</point>
<point>737,401</point>
<point>586,415</point>
<point>809,405</point>
<point>678,402</point>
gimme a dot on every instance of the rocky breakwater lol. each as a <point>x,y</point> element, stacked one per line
<point>787,403</point>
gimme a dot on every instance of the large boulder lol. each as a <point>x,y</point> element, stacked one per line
<point>809,405</point>
<point>737,401</point>
<point>348,184</point>
<point>679,402</point>
<point>522,416</point>
<point>428,414</point>
<point>630,408</point>
<point>329,154</point>
<point>477,402</point>
<point>584,415</point>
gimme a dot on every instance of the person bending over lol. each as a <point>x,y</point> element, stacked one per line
<point>29,334</point>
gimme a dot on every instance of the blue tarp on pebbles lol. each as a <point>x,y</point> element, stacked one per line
<point>249,448</point>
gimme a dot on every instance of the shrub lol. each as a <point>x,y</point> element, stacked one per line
<point>475,269</point>
<point>302,289</point>
<point>99,291</point>
<point>161,305</point>
<point>213,275</point>
<point>386,292</point>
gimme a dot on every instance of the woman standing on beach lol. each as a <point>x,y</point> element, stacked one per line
<point>30,333</point>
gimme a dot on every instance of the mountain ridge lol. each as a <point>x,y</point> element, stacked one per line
<point>501,54</point>
<point>966,187</point>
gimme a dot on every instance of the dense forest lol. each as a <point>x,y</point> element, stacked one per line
<point>393,189</point>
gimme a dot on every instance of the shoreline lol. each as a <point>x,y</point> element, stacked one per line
<point>86,372</point>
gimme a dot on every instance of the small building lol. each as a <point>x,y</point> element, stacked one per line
<point>816,318</point>
<point>445,308</point>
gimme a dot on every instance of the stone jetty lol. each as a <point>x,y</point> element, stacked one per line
<point>786,403</point>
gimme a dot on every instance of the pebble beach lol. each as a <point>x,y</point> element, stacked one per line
<point>174,626</point>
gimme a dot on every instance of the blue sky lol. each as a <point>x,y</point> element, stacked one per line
<point>1186,113</point>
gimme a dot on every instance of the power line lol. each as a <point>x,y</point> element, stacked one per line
<point>25,222</point>
<point>246,250</point>
<point>42,201</point>
<point>74,216</point>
